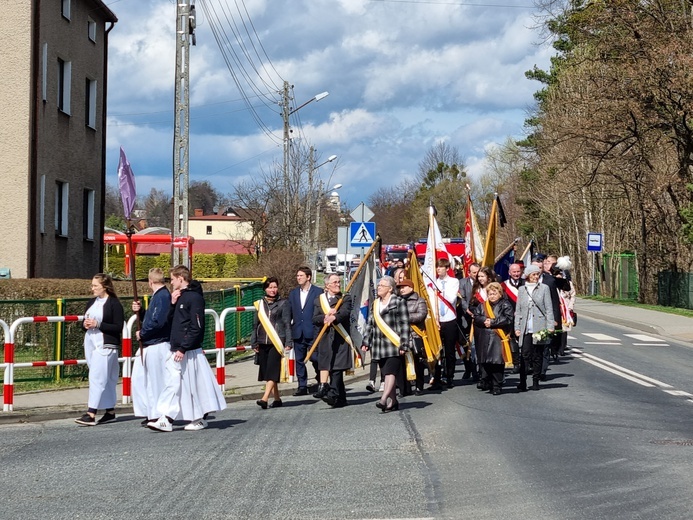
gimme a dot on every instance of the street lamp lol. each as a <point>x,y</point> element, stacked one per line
<point>286,112</point>
<point>316,232</point>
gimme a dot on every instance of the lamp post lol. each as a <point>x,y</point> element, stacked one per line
<point>286,112</point>
<point>309,237</point>
<point>316,233</point>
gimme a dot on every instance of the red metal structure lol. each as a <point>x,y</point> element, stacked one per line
<point>118,239</point>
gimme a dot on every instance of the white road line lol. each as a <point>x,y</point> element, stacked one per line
<point>600,337</point>
<point>571,337</point>
<point>645,338</point>
<point>620,374</point>
<point>600,343</point>
<point>626,371</point>
<point>650,344</point>
<point>680,393</point>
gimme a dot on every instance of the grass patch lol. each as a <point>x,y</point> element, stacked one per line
<point>22,387</point>
<point>688,313</point>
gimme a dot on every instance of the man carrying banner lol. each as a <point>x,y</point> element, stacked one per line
<point>446,296</point>
<point>335,347</point>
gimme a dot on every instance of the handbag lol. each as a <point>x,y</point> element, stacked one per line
<point>573,315</point>
<point>256,358</point>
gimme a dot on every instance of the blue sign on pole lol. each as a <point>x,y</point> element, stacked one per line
<point>361,234</point>
<point>594,242</point>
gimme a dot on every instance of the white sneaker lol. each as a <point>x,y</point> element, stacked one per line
<point>198,424</point>
<point>161,424</point>
<point>382,386</point>
<point>370,386</point>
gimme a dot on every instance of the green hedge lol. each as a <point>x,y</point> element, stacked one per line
<point>204,265</point>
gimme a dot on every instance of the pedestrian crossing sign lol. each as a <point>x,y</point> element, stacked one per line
<point>361,234</point>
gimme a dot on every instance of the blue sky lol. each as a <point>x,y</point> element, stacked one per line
<point>402,75</point>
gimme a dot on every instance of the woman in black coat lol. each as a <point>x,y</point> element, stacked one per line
<point>278,312</point>
<point>489,344</point>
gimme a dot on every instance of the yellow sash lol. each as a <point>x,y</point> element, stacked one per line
<point>269,328</point>
<point>505,338</point>
<point>384,327</point>
<point>325,306</point>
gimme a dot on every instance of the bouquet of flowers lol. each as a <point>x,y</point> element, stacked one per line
<point>542,337</point>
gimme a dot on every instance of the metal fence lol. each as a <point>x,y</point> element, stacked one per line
<point>675,289</point>
<point>620,277</point>
<point>41,342</point>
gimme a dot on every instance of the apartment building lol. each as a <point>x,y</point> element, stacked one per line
<point>53,136</point>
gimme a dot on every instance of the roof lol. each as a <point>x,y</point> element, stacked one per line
<point>105,11</point>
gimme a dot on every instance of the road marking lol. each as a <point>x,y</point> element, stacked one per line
<point>645,338</point>
<point>599,343</point>
<point>680,393</point>
<point>623,372</point>
<point>600,337</point>
<point>650,344</point>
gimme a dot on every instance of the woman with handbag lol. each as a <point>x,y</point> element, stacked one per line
<point>534,324</point>
<point>493,322</point>
<point>416,306</point>
<point>387,336</point>
<point>271,337</point>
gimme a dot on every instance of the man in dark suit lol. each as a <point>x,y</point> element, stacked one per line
<point>302,300</point>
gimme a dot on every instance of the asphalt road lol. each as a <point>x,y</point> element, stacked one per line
<point>598,441</point>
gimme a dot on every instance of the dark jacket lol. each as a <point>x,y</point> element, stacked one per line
<point>489,347</point>
<point>187,319</point>
<point>279,313</point>
<point>155,325</point>
<point>334,353</point>
<point>111,325</point>
<point>302,318</point>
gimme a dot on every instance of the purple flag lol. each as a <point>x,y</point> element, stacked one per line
<point>126,181</point>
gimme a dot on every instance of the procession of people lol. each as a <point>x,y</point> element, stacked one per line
<point>495,327</point>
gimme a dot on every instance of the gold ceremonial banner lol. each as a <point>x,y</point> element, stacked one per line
<point>409,365</point>
<point>431,334</point>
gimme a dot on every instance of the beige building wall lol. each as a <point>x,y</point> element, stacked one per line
<point>15,98</point>
<point>221,229</point>
<point>44,146</point>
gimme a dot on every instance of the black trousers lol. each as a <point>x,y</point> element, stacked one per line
<point>337,388</point>
<point>493,374</point>
<point>532,356</point>
<point>449,334</point>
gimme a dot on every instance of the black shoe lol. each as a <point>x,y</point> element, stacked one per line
<point>331,400</point>
<point>301,391</point>
<point>339,403</point>
<point>322,391</point>
<point>535,385</point>
<point>262,404</point>
<point>86,420</point>
<point>467,374</point>
<point>392,408</point>
<point>145,421</point>
<point>418,391</point>
<point>380,405</point>
<point>277,403</point>
<point>542,377</point>
<point>107,417</point>
<point>496,391</point>
<point>449,384</point>
<point>522,387</point>
<point>482,385</point>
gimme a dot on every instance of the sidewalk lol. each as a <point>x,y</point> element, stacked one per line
<point>241,375</point>
<point>241,384</point>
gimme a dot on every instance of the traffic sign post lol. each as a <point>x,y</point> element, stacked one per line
<point>595,244</point>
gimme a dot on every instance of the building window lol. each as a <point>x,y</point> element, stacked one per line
<point>42,204</point>
<point>64,83</point>
<point>65,8</point>
<point>88,215</point>
<point>61,206</point>
<point>91,29</point>
<point>209,230</point>
<point>44,72</point>
<point>90,103</point>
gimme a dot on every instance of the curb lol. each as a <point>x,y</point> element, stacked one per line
<point>643,327</point>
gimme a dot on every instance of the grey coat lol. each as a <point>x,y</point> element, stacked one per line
<point>538,304</point>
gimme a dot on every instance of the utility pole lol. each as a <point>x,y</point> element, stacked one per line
<point>286,112</point>
<point>185,29</point>
<point>308,236</point>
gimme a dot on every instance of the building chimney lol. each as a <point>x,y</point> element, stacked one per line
<point>199,212</point>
